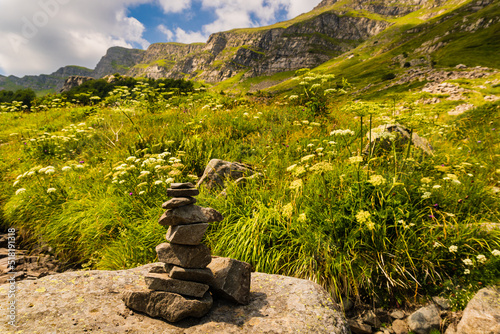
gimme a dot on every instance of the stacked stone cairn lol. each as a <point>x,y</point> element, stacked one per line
<point>179,287</point>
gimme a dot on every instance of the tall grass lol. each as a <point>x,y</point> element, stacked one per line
<point>91,183</point>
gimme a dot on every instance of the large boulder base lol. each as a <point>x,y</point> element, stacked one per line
<point>91,301</point>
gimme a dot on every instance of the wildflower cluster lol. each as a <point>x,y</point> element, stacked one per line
<point>65,145</point>
<point>364,217</point>
<point>315,91</point>
<point>147,174</point>
<point>40,177</point>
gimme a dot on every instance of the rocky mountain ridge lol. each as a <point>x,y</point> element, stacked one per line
<point>331,30</point>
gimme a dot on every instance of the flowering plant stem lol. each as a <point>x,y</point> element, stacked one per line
<point>133,124</point>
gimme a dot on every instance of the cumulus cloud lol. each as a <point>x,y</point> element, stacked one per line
<point>41,36</point>
<point>174,6</point>
<point>232,14</point>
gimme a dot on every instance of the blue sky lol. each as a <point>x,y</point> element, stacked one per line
<point>40,36</point>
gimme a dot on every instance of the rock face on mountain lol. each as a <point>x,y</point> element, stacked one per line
<point>74,81</point>
<point>333,28</point>
<point>117,60</point>
<point>384,7</point>
<point>259,52</point>
<point>90,301</point>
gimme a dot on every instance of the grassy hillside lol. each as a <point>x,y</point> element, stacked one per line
<point>462,34</point>
<point>395,224</point>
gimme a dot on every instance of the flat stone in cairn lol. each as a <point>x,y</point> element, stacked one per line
<point>159,269</point>
<point>186,234</point>
<point>162,282</point>
<point>185,185</point>
<point>189,214</point>
<point>167,305</point>
<point>196,275</point>
<point>184,256</point>
<point>177,202</point>
<point>182,192</point>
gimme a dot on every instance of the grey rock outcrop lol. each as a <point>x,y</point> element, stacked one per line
<point>28,266</point>
<point>74,81</point>
<point>482,314</point>
<point>117,60</point>
<point>90,301</point>
<point>384,7</point>
<point>259,52</point>
<point>381,138</point>
<point>217,171</point>
<point>424,319</point>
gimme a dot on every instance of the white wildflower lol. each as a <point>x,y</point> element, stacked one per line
<point>377,180</point>
<point>307,157</point>
<point>296,184</point>
<point>467,262</point>
<point>20,191</point>
<point>356,159</point>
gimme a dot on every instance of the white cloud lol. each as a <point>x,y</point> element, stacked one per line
<point>189,36</point>
<point>231,14</point>
<point>167,32</point>
<point>41,36</point>
<point>174,6</point>
<point>297,7</point>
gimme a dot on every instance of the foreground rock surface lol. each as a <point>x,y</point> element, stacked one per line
<point>90,301</point>
<point>482,314</point>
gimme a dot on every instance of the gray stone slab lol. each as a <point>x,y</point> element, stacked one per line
<point>189,214</point>
<point>163,282</point>
<point>184,256</point>
<point>195,275</point>
<point>177,202</point>
<point>191,234</point>
<point>185,185</point>
<point>167,305</point>
<point>182,192</point>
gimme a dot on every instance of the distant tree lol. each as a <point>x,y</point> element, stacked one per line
<point>26,96</point>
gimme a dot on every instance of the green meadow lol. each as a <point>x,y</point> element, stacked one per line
<point>392,224</point>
